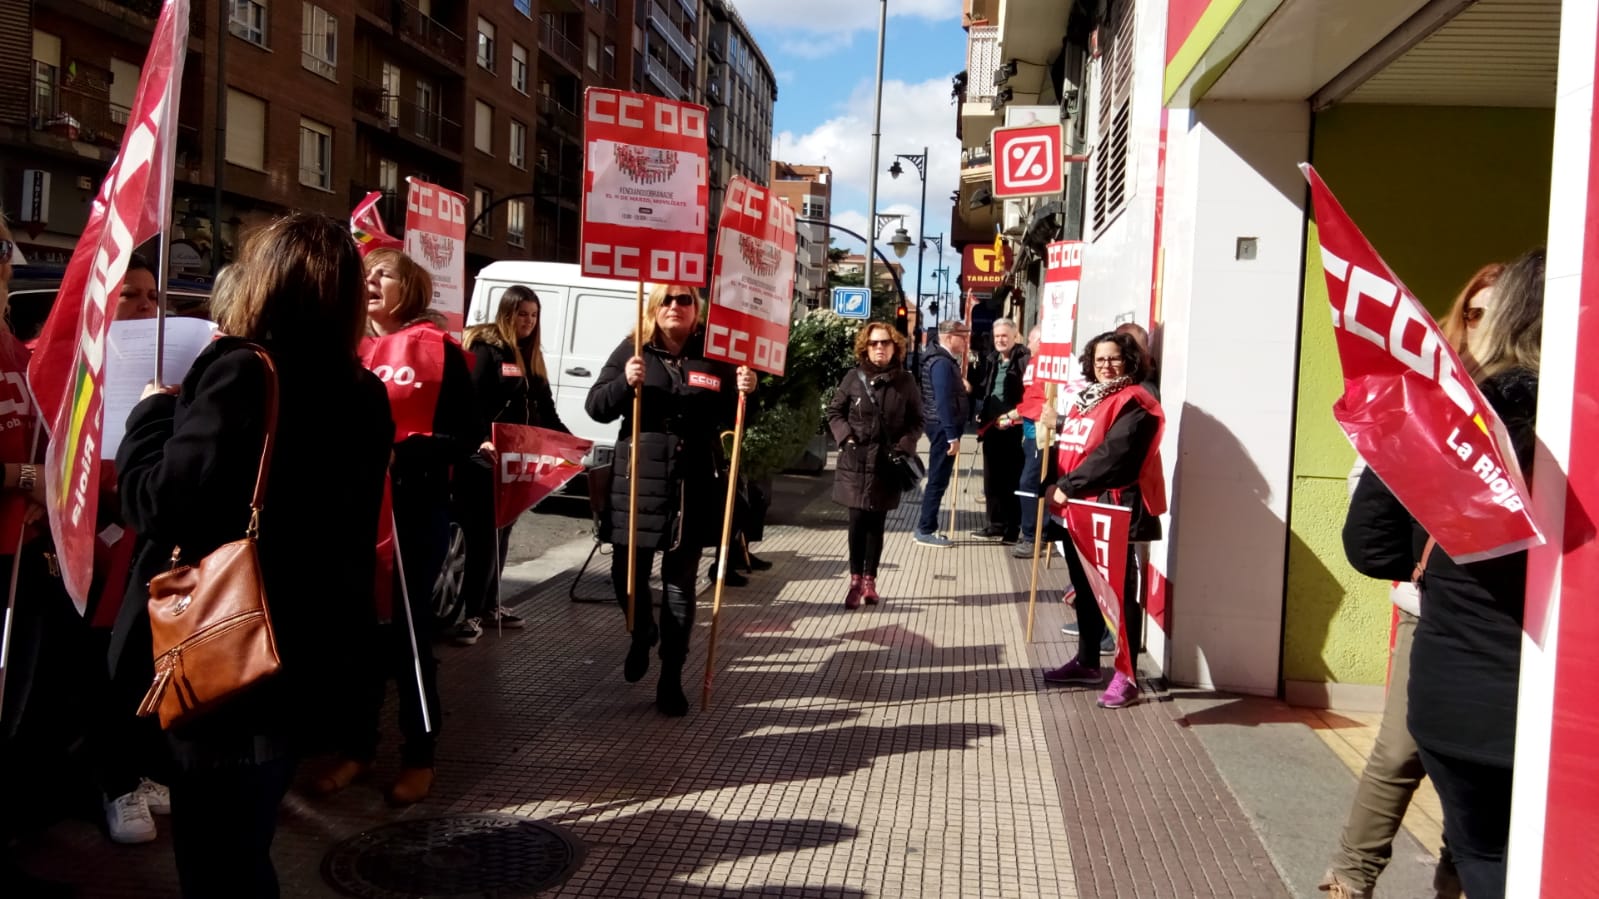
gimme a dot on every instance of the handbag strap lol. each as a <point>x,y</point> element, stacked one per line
<point>1421,566</point>
<point>258,498</point>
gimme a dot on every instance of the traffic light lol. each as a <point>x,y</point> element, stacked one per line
<point>901,319</point>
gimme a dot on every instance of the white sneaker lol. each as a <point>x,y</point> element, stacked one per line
<point>128,819</point>
<point>467,632</point>
<point>157,798</point>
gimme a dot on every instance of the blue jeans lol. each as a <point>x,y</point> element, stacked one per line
<point>940,465</point>
<point>1032,470</point>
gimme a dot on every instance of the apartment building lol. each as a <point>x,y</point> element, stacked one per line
<point>739,89</point>
<point>809,190</point>
<point>666,49</point>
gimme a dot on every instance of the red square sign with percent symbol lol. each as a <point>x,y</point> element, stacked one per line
<point>644,188</point>
<point>1028,161</point>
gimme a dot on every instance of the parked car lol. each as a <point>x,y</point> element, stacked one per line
<point>34,288</point>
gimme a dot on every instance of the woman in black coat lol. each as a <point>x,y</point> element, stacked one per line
<point>187,467</point>
<point>687,401</point>
<point>1465,663</point>
<point>1112,434</point>
<point>512,387</point>
<point>875,416</point>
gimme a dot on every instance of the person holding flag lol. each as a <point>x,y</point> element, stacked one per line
<point>512,387</point>
<point>436,427</point>
<point>1110,450</point>
<point>687,402</point>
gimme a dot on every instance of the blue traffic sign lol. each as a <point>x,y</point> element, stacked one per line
<point>852,302</point>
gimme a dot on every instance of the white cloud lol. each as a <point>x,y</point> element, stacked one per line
<point>914,116</point>
<point>839,16</point>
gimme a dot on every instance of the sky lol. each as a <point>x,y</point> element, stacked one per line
<point>824,55</point>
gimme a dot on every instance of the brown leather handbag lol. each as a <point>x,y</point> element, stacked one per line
<point>211,633</point>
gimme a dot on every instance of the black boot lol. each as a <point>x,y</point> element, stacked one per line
<point>638,654</point>
<point>669,698</point>
<point>752,562</point>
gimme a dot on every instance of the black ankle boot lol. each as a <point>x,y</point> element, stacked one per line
<point>669,698</point>
<point>638,655</point>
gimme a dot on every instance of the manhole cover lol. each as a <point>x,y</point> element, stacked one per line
<point>458,855</point>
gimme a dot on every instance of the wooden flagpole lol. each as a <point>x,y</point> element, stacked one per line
<point>1045,437</point>
<point>722,554</point>
<point>632,468</point>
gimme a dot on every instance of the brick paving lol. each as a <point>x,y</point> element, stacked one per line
<point>909,749</point>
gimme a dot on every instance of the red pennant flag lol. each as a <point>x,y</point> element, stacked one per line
<point>534,463</point>
<point>67,371</point>
<point>366,226</point>
<point>1410,408</point>
<point>1099,536</point>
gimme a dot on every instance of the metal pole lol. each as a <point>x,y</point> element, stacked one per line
<point>219,150</point>
<point>921,236</point>
<point>877,137</point>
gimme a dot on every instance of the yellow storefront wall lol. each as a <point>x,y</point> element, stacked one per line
<point>1439,191</point>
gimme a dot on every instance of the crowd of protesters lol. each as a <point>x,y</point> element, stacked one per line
<point>301,371</point>
<point>309,334</point>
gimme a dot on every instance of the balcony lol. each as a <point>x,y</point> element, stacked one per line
<point>73,113</point>
<point>657,73</point>
<point>132,20</point>
<point>716,50</point>
<point>558,45</point>
<point>982,60</point>
<point>399,116</point>
<point>554,115</point>
<point>417,29</point>
<point>667,29</point>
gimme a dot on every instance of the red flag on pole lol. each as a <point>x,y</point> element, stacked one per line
<point>67,372</point>
<point>366,226</point>
<point>1409,406</point>
<point>533,463</point>
<point>1099,536</point>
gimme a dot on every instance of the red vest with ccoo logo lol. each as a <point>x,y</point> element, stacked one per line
<point>410,363</point>
<point>17,421</point>
<point>1082,432</point>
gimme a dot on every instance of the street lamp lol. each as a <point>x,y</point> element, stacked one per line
<point>900,243</point>
<point>920,161</point>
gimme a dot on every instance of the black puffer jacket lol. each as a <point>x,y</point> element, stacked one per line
<point>890,425</point>
<point>1466,662</point>
<point>687,403</point>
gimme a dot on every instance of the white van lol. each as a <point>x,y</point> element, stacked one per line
<point>581,320</point>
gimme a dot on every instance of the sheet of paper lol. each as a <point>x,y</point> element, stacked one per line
<point>130,365</point>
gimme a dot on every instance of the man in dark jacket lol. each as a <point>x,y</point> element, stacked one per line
<point>947,409</point>
<point>998,392</point>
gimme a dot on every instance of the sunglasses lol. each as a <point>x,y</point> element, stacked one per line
<point>681,299</point>
<point>6,249</point>
<point>879,343</point>
<point>1474,314</point>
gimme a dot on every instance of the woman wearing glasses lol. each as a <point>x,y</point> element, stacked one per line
<point>686,403</point>
<point>1109,450</point>
<point>875,415</point>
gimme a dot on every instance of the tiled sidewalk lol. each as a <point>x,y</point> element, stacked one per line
<point>909,749</point>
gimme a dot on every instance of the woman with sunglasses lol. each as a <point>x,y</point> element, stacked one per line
<point>1109,450</point>
<point>875,415</point>
<point>687,401</point>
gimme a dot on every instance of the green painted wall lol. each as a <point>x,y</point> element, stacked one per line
<point>1439,191</point>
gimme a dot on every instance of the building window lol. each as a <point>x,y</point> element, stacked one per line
<point>1110,170</point>
<point>515,222</point>
<point>319,41</point>
<point>483,128</point>
<point>593,51</point>
<point>482,198</point>
<point>246,136</point>
<point>485,43</point>
<point>427,111</point>
<point>247,20</point>
<point>316,155</point>
<point>391,93</point>
<point>518,144</point>
<point>519,67</point>
<point>388,176</point>
<point>525,7</point>
<point>124,85</point>
<point>608,60</point>
<point>815,209</point>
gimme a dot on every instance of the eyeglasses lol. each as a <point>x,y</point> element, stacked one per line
<point>879,343</point>
<point>681,299</point>
<point>1111,362</point>
<point>6,249</point>
<point>1473,314</point>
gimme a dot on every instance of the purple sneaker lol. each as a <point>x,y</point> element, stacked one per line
<point>1076,673</point>
<point>1122,692</point>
